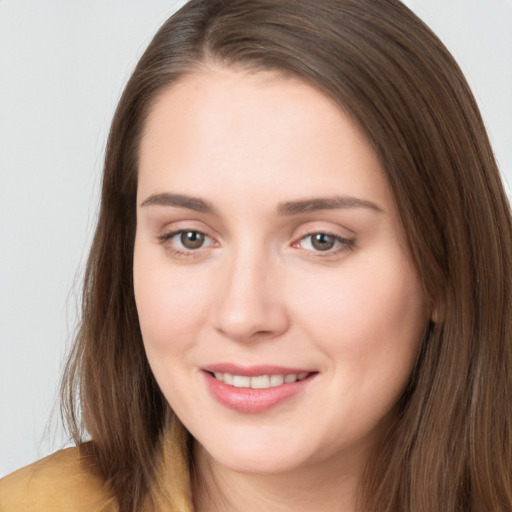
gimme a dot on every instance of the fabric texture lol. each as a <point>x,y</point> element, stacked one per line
<point>65,482</point>
<point>61,482</point>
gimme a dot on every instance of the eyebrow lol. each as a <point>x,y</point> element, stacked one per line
<point>284,209</point>
<point>179,201</point>
<point>325,203</point>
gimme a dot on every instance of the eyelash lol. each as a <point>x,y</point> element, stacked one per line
<point>345,244</point>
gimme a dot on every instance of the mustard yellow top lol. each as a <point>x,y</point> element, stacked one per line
<point>58,483</point>
<point>64,482</point>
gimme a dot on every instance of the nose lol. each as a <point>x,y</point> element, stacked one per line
<point>249,305</point>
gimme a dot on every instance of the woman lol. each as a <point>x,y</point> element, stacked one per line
<point>297,296</point>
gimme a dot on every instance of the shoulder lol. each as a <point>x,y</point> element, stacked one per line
<point>60,482</point>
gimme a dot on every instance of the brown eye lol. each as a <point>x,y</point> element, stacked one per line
<point>325,243</point>
<point>322,241</point>
<point>192,239</point>
<point>186,242</point>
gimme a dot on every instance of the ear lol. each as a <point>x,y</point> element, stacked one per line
<point>436,315</point>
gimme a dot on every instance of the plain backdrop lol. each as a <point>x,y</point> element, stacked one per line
<point>63,65</point>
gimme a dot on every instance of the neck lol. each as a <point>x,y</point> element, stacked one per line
<point>324,486</point>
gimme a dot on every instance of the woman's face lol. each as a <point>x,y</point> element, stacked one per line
<point>280,310</point>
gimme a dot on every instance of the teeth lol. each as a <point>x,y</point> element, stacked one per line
<point>290,378</point>
<point>241,381</point>
<point>276,380</point>
<point>260,381</point>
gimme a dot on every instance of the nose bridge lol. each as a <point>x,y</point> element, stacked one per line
<point>249,304</point>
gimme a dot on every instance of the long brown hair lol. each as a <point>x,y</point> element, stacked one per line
<point>450,448</point>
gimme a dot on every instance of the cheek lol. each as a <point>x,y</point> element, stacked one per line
<point>170,308</point>
<point>170,305</point>
<point>369,325</point>
<point>367,318</point>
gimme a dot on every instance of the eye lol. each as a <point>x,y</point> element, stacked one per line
<point>190,239</point>
<point>186,240</point>
<point>324,242</point>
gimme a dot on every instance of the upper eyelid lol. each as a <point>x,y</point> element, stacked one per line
<point>181,226</point>
<point>330,228</point>
<point>324,232</point>
<point>347,234</point>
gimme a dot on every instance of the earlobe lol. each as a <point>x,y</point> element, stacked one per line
<point>435,314</point>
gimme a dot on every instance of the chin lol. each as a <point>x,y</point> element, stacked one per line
<point>263,458</point>
<point>260,465</point>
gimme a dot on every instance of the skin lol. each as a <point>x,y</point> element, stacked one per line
<point>257,291</point>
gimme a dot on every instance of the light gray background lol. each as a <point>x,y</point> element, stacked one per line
<point>62,67</point>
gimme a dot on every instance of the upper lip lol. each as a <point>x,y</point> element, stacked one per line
<point>253,370</point>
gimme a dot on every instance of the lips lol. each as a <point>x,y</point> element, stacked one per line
<point>255,389</point>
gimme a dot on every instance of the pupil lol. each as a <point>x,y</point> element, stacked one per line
<point>192,239</point>
<point>322,242</point>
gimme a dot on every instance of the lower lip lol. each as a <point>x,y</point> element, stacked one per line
<point>248,400</point>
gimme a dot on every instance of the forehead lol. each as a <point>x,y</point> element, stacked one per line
<point>251,133</point>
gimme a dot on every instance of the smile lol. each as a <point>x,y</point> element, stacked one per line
<point>259,381</point>
<point>256,389</point>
